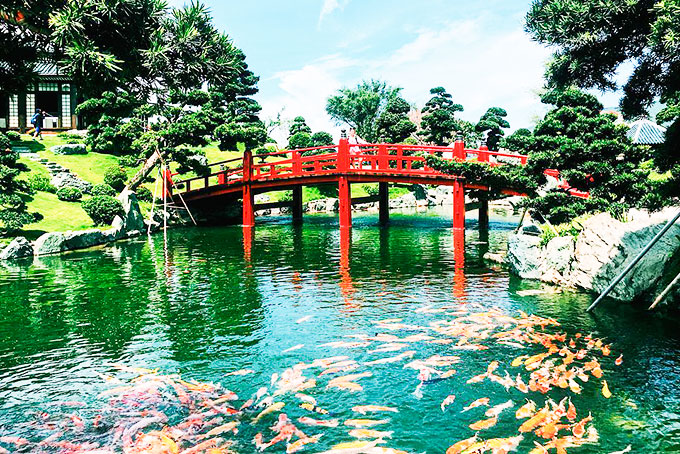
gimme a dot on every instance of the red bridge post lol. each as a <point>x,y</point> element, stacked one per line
<point>344,189</point>
<point>459,148</point>
<point>483,199</point>
<point>248,196</point>
<point>458,205</point>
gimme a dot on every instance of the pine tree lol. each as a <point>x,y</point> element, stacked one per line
<point>393,124</point>
<point>492,123</point>
<point>13,210</point>
<point>439,118</point>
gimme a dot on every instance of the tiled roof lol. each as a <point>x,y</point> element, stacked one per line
<point>646,132</point>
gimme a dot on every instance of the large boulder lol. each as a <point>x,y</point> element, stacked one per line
<point>19,247</point>
<point>50,243</point>
<point>601,252</point>
<point>83,239</point>
<point>132,218</point>
<point>65,179</point>
<point>68,149</point>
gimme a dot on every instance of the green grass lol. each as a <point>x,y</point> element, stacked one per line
<point>59,216</point>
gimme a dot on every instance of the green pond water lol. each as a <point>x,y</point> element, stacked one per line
<point>205,305</point>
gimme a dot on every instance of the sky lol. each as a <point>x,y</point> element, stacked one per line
<point>305,50</point>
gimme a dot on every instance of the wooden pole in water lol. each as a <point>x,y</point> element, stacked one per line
<point>665,293</point>
<point>384,202</point>
<point>297,204</point>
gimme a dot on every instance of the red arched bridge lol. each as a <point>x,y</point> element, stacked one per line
<point>341,164</point>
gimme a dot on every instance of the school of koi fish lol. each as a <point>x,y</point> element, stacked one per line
<point>144,411</point>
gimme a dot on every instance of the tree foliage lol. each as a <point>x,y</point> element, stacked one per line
<point>492,123</point>
<point>393,124</point>
<point>361,107</point>
<point>13,210</point>
<point>594,38</point>
<point>439,118</point>
<point>592,153</point>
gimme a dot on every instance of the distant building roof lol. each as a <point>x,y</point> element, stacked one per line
<point>646,132</point>
<point>48,70</point>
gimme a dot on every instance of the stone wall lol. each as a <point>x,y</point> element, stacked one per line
<point>601,251</point>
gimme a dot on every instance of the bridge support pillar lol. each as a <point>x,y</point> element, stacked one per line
<point>458,205</point>
<point>297,204</point>
<point>484,213</point>
<point>384,202</point>
<point>345,198</point>
<point>248,206</point>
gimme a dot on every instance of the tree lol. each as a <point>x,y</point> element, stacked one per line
<point>299,125</point>
<point>393,124</point>
<point>492,123</point>
<point>439,118</point>
<point>519,140</point>
<point>321,139</point>
<point>362,106</point>
<point>592,153</point>
<point>13,210</point>
<point>594,38</point>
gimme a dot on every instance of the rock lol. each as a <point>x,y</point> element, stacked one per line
<point>19,247</point>
<point>65,179</point>
<point>405,201</point>
<point>600,253</point>
<point>524,255</point>
<point>112,234</point>
<point>495,257</point>
<point>50,243</point>
<point>118,223</point>
<point>83,239</point>
<point>132,219</point>
<point>133,233</point>
<point>69,149</point>
<point>332,205</point>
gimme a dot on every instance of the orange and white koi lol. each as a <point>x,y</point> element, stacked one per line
<point>526,410</point>
<point>363,409</point>
<point>299,444</point>
<point>484,424</point>
<point>462,445</point>
<point>365,422</point>
<point>317,422</point>
<point>369,433</point>
<point>447,401</point>
<point>498,409</point>
<point>477,403</point>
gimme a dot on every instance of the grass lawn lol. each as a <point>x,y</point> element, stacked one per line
<point>59,216</point>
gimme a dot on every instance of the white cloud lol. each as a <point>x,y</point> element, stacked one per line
<point>479,67</point>
<point>329,6</point>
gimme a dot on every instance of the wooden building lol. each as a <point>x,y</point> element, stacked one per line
<point>53,92</point>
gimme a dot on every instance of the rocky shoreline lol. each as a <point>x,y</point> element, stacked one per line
<point>132,224</point>
<point>600,252</point>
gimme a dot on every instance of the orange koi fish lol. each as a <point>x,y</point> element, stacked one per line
<point>477,403</point>
<point>605,390</point>
<point>317,422</point>
<point>535,420</point>
<point>619,360</point>
<point>461,446</point>
<point>484,423</point>
<point>526,410</point>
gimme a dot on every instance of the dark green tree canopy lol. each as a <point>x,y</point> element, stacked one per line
<point>439,118</point>
<point>299,125</point>
<point>492,123</point>
<point>594,38</point>
<point>13,210</point>
<point>361,107</point>
<point>393,124</point>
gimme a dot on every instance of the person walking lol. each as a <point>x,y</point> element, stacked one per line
<point>37,122</point>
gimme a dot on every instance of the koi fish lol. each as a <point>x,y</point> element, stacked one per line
<point>241,372</point>
<point>519,360</point>
<point>484,423</point>
<point>535,420</point>
<point>363,409</point>
<point>317,422</point>
<point>353,447</point>
<point>306,398</point>
<point>447,401</point>
<point>605,390</point>
<point>277,406</point>
<point>310,407</point>
<point>624,451</point>
<point>299,444</point>
<point>619,361</point>
<point>571,411</point>
<point>477,403</point>
<point>462,445</point>
<point>393,359</point>
<point>526,410</point>
<point>306,318</point>
<point>219,430</point>
<point>369,433</point>
<point>293,348</point>
<point>365,422</point>
<point>498,409</point>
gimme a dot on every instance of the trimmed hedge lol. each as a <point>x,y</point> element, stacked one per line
<point>69,194</point>
<point>144,194</point>
<point>103,189</point>
<point>116,177</point>
<point>38,182</point>
<point>102,209</point>
<point>13,136</point>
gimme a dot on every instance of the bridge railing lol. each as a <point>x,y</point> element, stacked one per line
<point>398,159</point>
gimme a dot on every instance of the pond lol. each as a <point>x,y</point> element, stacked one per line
<point>395,307</point>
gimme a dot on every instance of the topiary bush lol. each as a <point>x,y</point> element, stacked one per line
<point>103,189</point>
<point>4,142</point>
<point>69,194</point>
<point>13,136</point>
<point>102,209</point>
<point>115,176</point>
<point>144,194</point>
<point>128,161</point>
<point>39,182</point>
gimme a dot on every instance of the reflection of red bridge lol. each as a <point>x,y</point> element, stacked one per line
<point>342,164</point>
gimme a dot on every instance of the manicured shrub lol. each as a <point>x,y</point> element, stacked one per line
<point>39,182</point>
<point>102,209</point>
<point>13,136</point>
<point>69,194</point>
<point>128,161</point>
<point>103,189</point>
<point>71,138</point>
<point>4,142</point>
<point>144,194</point>
<point>115,176</point>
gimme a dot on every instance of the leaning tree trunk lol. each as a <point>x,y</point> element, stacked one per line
<point>144,172</point>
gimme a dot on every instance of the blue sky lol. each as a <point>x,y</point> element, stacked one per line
<point>305,50</point>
